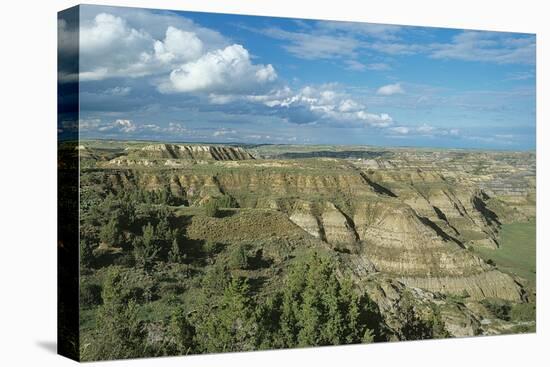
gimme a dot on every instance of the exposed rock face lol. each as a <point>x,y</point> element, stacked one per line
<point>391,295</point>
<point>398,242</point>
<point>171,153</point>
<point>338,228</point>
<point>488,284</point>
<point>418,234</point>
<point>303,217</point>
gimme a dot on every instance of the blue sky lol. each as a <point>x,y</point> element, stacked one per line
<point>184,76</point>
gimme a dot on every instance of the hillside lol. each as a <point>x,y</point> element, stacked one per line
<point>405,226</point>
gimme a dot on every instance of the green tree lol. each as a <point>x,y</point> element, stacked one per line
<point>146,248</point>
<point>163,229</point>
<point>110,233</point>
<point>232,326</point>
<point>120,333</point>
<point>317,308</point>
<point>182,331</point>
<point>238,258</point>
<point>216,279</point>
<point>175,253</point>
<point>86,253</point>
<point>413,327</point>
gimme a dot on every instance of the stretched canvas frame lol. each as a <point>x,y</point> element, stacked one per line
<point>177,240</point>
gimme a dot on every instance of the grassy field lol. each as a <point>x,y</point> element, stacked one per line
<point>517,252</point>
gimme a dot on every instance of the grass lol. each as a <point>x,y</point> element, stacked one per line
<point>517,252</point>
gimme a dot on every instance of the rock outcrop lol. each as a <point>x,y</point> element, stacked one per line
<point>418,234</point>
<point>303,217</point>
<point>398,242</point>
<point>338,228</point>
<point>171,154</point>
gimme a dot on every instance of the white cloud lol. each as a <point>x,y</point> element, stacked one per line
<point>377,31</point>
<point>312,46</point>
<point>403,130</point>
<point>348,105</point>
<point>89,124</point>
<point>119,125</point>
<point>175,128</point>
<point>228,70</point>
<point>130,127</point>
<point>390,89</point>
<point>223,132</point>
<point>118,46</point>
<point>126,126</point>
<point>321,104</point>
<point>109,47</point>
<point>112,47</point>
<point>178,45</point>
<point>425,128</point>
<point>500,48</point>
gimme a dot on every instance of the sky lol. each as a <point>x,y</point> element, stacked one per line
<point>203,77</point>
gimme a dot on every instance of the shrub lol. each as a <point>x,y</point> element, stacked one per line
<point>90,294</point>
<point>86,253</point>
<point>146,248</point>
<point>216,279</point>
<point>499,308</point>
<point>183,332</point>
<point>210,247</point>
<point>212,208</point>
<point>110,233</point>
<point>120,333</point>
<point>175,253</point>
<point>238,258</point>
<point>226,201</point>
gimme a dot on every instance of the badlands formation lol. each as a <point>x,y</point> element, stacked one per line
<point>404,223</point>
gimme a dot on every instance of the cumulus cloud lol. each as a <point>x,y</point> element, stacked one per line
<point>228,70</point>
<point>390,89</point>
<point>111,47</point>
<point>178,45</point>
<point>320,104</point>
<point>129,127</point>
<point>126,126</point>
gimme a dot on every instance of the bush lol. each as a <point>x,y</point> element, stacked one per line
<point>226,201</point>
<point>146,248</point>
<point>110,233</point>
<point>212,208</point>
<point>238,258</point>
<point>216,279</point>
<point>86,253</point>
<point>210,247</point>
<point>499,308</point>
<point>90,294</point>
